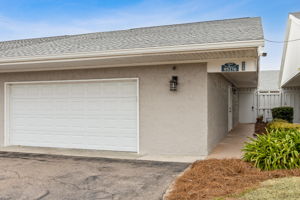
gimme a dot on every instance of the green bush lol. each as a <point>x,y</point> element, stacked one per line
<point>282,124</point>
<point>279,149</point>
<point>279,120</point>
<point>285,113</point>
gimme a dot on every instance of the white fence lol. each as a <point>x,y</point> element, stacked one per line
<point>291,97</point>
<point>266,100</point>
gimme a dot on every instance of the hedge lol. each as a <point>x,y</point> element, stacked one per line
<point>281,124</point>
<point>285,113</point>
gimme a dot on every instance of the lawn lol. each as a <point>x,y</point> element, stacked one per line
<point>280,188</point>
<point>226,179</point>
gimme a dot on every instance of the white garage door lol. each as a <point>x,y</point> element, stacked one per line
<point>87,115</point>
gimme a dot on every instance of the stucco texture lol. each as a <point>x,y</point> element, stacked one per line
<point>235,107</point>
<point>217,109</point>
<point>169,122</point>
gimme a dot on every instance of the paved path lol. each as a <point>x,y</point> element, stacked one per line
<point>28,176</point>
<point>231,145</point>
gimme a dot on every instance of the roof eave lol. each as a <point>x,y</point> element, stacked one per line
<point>135,52</point>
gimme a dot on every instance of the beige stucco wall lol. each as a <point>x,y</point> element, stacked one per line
<point>235,108</point>
<point>217,109</point>
<point>170,122</point>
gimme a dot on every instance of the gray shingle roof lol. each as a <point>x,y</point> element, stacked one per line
<point>296,14</point>
<point>230,30</point>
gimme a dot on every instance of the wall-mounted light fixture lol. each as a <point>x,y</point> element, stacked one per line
<point>174,83</point>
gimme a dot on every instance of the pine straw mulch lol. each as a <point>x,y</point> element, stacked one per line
<point>208,179</point>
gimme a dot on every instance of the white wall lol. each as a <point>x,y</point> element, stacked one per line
<point>235,107</point>
<point>291,59</point>
<point>170,122</point>
<point>217,89</point>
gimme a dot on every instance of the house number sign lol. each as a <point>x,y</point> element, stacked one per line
<point>230,67</point>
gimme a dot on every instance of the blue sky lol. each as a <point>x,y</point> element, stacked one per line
<point>38,18</point>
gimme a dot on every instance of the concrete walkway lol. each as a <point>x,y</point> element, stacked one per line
<point>231,145</point>
<point>100,154</point>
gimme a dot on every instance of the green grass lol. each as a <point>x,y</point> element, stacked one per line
<point>287,188</point>
<point>282,188</point>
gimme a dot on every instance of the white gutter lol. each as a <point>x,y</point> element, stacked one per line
<point>133,52</point>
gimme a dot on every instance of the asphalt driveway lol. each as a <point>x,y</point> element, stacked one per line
<point>31,176</point>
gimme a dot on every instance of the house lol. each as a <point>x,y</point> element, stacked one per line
<point>290,64</point>
<point>268,81</point>
<point>289,79</point>
<point>167,90</point>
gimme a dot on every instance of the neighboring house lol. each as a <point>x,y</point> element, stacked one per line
<point>268,81</point>
<point>156,90</point>
<point>290,65</point>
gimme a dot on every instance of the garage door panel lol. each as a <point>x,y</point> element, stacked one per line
<point>94,115</point>
<point>122,122</point>
<point>127,90</point>
<point>91,142</point>
<point>77,91</point>
<point>127,133</point>
<point>63,137</point>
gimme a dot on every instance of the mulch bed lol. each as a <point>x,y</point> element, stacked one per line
<point>213,178</point>
<point>260,128</point>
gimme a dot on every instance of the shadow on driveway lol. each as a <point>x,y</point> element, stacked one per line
<point>32,176</point>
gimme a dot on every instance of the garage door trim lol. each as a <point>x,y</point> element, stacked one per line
<point>7,101</point>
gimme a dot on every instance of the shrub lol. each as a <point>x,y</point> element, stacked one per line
<point>280,120</point>
<point>280,149</point>
<point>285,113</point>
<point>282,124</point>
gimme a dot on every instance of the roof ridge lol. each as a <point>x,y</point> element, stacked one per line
<point>36,38</point>
<point>30,44</point>
<point>137,28</point>
<point>216,31</point>
<point>167,25</point>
